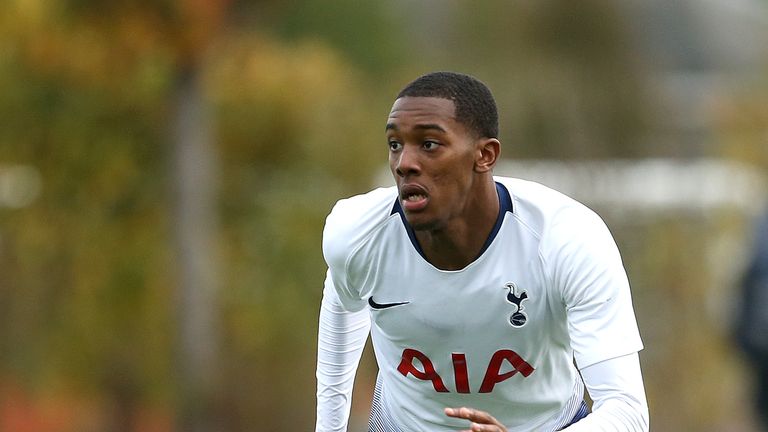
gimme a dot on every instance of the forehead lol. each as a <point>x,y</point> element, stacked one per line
<point>409,112</point>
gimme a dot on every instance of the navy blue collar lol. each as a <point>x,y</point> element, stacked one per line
<point>505,205</point>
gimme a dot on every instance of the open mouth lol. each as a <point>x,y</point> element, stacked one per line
<point>413,197</point>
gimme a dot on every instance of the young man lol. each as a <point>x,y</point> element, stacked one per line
<point>478,291</point>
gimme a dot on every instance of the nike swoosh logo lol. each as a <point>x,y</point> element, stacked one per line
<point>375,305</point>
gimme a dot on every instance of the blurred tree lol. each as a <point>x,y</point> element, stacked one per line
<point>90,102</point>
<point>296,134</point>
<point>75,296</point>
<point>565,75</point>
<point>367,33</point>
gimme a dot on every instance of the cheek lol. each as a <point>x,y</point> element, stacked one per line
<point>457,172</point>
<point>452,183</point>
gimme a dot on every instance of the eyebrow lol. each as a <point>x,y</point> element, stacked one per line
<point>427,126</point>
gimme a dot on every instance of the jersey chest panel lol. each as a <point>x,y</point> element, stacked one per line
<point>500,301</point>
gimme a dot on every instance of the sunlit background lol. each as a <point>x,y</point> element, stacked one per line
<point>166,167</point>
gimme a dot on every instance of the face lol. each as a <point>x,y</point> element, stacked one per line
<point>432,157</point>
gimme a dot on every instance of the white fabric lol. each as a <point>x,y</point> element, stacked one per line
<point>616,388</point>
<point>340,343</point>
<point>553,249</point>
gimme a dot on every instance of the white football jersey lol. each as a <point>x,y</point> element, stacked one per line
<point>499,335</point>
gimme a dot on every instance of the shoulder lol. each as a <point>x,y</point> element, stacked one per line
<point>543,209</point>
<point>566,229</point>
<point>353,219</point>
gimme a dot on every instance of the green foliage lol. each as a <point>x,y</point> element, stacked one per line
<point>86,260</point>
<point>88,276</point>
<point>366,32</point>
<point>295,135</point>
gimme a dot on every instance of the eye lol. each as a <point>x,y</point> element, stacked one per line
<point>430,145</point>
<point>394,146</point>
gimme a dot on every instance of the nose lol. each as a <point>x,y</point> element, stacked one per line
<point>407,162</point>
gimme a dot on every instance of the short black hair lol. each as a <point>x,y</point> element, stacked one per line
<point>475,106</point>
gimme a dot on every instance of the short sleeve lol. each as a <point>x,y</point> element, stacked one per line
<point>583,262</point>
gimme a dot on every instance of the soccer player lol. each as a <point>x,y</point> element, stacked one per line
<point>490,301</point>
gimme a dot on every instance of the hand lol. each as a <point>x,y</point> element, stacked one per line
<point>481,420</point>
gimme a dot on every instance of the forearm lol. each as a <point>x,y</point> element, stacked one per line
<point>616,388</point>
<point>341,339</point>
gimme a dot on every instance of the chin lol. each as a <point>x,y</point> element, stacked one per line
<point>419,223</point>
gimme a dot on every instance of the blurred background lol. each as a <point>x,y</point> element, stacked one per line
<point>166,168</point>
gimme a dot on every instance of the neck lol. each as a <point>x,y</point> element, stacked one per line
<point>459,243</point>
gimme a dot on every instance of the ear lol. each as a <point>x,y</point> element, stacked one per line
<point>486,153</point>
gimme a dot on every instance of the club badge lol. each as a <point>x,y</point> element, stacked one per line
<point>519,317</point>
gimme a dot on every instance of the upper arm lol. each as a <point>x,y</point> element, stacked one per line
<point>586,269</point>
<point>336,251</point>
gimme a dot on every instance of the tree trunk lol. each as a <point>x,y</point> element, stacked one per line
<point>195,174</point>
